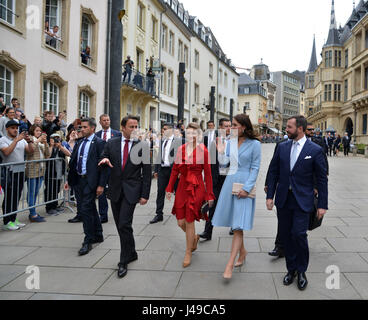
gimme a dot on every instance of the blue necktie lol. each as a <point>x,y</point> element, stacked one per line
<point>293,157</point>
<point>81,154</point>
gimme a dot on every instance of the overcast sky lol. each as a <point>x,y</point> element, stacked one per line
<point>279,31</point>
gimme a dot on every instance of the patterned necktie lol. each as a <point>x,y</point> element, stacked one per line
<point>164,152</point>
<point>294,155</point>
<point>81,155</point>
<point>126,154</point>
<point>105,135</point>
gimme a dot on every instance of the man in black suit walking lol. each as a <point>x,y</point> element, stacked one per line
<point>88,182</point>
<point>128,162</point>
<point>218,174</point>
<point>169,146</point>
<point>105,134</point>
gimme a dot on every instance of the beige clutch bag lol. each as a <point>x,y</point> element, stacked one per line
<point>237,187</point>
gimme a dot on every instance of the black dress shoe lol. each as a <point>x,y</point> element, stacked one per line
<point>205,236</point>
<point>302,281</point>
<point>76,219</point>
<point>157,219</point>
<point>86,248</point>
<point>277,252</point>
<point>123,270</point>
<point>289,278</point>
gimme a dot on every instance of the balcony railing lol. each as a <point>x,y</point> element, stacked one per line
<point>139,81</point>
<point>315,110</point>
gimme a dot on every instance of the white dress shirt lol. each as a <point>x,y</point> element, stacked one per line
<point>108,134</point>
<point>166,152</point>
<point>123,146</point>
<point>299,145</point>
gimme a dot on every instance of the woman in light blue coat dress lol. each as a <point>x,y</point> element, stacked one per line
<point>243,153</point>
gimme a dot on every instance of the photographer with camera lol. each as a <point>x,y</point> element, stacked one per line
<point>54,174</point>
<point>13,147</point>
<point>24,124</point>
<point>49,126</point>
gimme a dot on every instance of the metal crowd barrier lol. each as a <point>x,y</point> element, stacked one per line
<point>18,190</point>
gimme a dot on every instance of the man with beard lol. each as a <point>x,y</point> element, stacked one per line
<point>297,168</point>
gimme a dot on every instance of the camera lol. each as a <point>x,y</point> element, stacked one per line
<point>24,130</point>
<point>23,116</point>
<point>56,140</point>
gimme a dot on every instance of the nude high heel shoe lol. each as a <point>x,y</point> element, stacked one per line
<point>187,259</point>
<point>241,260</point>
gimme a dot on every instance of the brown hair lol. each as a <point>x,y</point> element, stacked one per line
<point>194,126</point>
<point>249,132</point>
<point>33,128</point>
<point>127,118</point>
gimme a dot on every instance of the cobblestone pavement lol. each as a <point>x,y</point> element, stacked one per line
<point>342,241</point>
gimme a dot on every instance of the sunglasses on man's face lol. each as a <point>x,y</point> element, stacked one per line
<point>310,129</point>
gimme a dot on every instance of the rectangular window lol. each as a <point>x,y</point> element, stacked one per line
<point>196,93</point>
<point>154,28</point>
<point>364,124</point>
<point>50,97</point>
<point>163,79</point>
<point>53,17</point>
<point>180,51</point>
<point>139,60</point>
<point>164,37</point>
<point>171,43</point>
<point>196,59</point>
<point>346,58</point>
<point>366,78</point>
<point>186,55</point>
<point>140,16</point>
<point>328,94</point>
<point>7,11</point>
<point>211,70</point>
<point>346,88</point>
<point>225,79</point>
<point>84,105</point>
<point>6,84</point>
<point>170,79</point>
<point>337,92</point>
<point>337,58</point>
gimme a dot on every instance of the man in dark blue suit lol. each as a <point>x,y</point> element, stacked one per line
<point>105,134</point>
<point>297,168</point>
<point>88,182</point>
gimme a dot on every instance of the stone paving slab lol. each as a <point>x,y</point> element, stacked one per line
<point>354,222</point>
<point>349,245</point>
<point>178,244</point>
<point>212,286</point>
<point>315,245</point>
<point>142,284</point>
<point>113,242</point>
<point>147,260</point>
<point>62,257</point>
<point>360,283</point>
<point>347,262</point>
<point>64,280</point>
<point>9,273</point>
<point>54,240</point>
<point>9,254</point>
<point>316,290</point>
<point>353,232</point>
<point>251,244</point>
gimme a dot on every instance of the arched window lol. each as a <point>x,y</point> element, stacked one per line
<point>6,83</point>
<point>50,97</point>
<point>84,105</point>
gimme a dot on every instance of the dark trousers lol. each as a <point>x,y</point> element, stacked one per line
<point>86,204</point>
<point>294,223</point>
<point>103,206</point>
<point>330,148</point>
<point>13,187</point>
<point>346,150</point>
<point>162,183</point>
<point>51,192</point>
<point>278,242</point>
<point>123,213</point>
<point>208,229</point>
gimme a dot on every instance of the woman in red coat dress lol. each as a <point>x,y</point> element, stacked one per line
<point>192,159</point>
